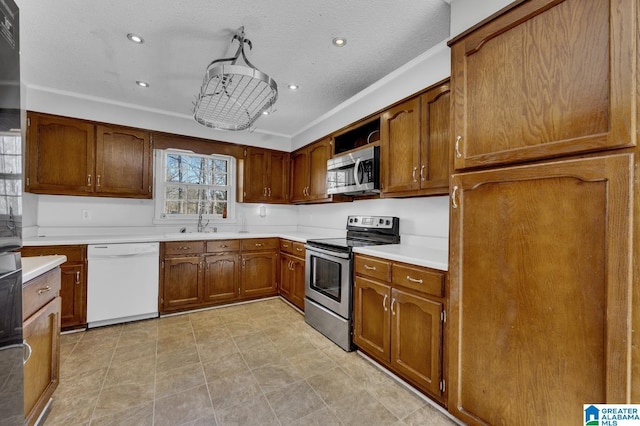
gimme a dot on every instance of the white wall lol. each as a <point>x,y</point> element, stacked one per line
<point>98,109</point>
<point>62,215</point>
<point>467,13</point>
<point>429,68</point>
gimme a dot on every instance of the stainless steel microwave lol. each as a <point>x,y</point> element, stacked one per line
<point>356,173</point>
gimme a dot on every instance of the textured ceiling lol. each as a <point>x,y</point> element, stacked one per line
<point>80,46</point>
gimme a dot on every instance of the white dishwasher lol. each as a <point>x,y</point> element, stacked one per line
<point>122,282</point>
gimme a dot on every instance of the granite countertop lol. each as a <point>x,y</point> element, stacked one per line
<point>416,255</point>
<point>33,267</point>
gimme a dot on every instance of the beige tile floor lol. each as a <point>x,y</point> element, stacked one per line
<point>250,364</point>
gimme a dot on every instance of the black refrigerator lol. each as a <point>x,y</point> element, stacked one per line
<point>13,351</point>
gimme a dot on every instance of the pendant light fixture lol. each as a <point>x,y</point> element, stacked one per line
<point>233,96</point>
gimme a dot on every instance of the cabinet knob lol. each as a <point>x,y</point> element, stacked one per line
<point>458,153</point>
<point>44,289</point>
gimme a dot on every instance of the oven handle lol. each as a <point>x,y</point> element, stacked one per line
<point>356,168</point>
<point>327,252</point>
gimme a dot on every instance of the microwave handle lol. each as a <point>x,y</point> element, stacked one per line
<point>355,172</point>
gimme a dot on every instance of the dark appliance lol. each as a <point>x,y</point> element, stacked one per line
<point>12,351</point>
<point>356,173</point>
<point>329,275</point>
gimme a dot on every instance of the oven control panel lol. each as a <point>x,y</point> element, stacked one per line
<point>371,222</point>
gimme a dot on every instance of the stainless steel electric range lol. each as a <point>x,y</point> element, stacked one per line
<point>329,275</point>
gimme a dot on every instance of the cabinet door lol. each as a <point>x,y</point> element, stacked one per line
<point>42,369</point>
<point>278,178</point>
<point>60,155</point>
<point>436,163</point>
<point>73,291</point>
<point>371,332</point>
<point>297,282</point>
<point>416,339</point>
<point>286,276</point>
<point>546,79</point>
<point>299,175</point>
<point>181,286</point>
<point>259,274</point>
<point>221,277</point>
<point>319,153</point>
<point>540,278</point>
<point>255,168</point>
<point>400,128</point>
<point>123,162</point>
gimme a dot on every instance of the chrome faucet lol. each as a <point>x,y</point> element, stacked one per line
<point>201,226</point>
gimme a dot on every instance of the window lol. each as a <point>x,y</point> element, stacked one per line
<point>189,184</point>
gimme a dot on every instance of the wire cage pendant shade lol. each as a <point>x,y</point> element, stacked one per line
<point>233,96</point>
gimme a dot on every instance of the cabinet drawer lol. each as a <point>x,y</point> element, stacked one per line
<point>40,291</point>
<point>219,246</point>
<point>253,244</point>
<point>298,249</point>
<point>418,278</point>
<point>73,253</point>
<point>184,247</point>
<point>286,246</point>
<point>374,268</point>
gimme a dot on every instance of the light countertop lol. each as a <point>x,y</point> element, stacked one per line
<point>33,267</point>
<point>415,255</point>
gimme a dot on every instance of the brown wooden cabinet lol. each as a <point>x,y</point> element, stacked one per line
<point>518,95</point>
<point>266,176</point>
<point>41,333</point>
<point>398,320</point>
<point>70,156</point>
<point>541,254</point>
<point>292,272</point>
<point>415,145</point>
<point>309,172</point>
<point>73,290</point>
<point>197,274</point>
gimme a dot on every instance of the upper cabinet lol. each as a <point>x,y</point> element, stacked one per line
<point>74,157</point>
<point>309,172</point>
<point>415,145</point>
<point>266,176</point>
<point>550,79</point>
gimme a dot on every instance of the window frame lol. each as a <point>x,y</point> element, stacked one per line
<point>160,184</point>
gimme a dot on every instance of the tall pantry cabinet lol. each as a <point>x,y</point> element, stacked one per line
<point>543,200</point>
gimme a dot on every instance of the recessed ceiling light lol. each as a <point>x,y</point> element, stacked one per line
<point>339,41</point>
<point>142,83</point>
<point>135,38</point>
<point>265,112</point>
<point>293,86</point>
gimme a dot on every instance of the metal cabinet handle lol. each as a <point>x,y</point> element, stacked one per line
<point>422,173</point>
<point>285,245</point>
<point>413,174</point>
<point>88,180</point>
<point>269,192</point>
<point>393,300</point>
<point>44,289</point>
<point>384,302</point>
<point>298,249</point>
<point>259,244</point>
<point>98,180</point>
<point>453,197</point>
<point>458,153</point>
<point>370,268</point>
<point>184,248</point>
<point>414,280</point>
<point>77,277</point>
<point>29,352</point>
<point>223,246</point>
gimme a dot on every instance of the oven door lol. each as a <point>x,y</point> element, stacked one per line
<point>328,279</point>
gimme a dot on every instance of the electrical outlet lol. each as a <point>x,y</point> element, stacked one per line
<point>86,214</point>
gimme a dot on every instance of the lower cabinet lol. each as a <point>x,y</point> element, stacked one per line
<point>399,326</point>
<point>41,333</point>
<point>292,272</point>
<point>196,274</point>
<point>73,290</point>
